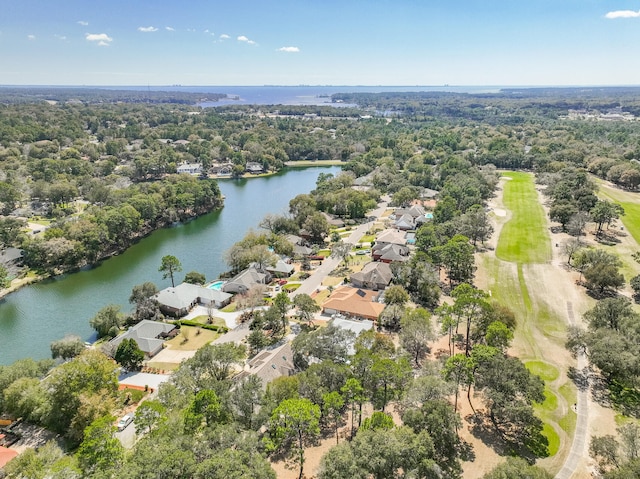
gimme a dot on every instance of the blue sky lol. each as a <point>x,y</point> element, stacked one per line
<point>320,42</point>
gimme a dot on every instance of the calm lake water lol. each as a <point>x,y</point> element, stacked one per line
<point>36,315</point>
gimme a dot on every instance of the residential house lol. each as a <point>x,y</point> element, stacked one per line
<point>405,223</point>
<point>150,336</point>
<point>270,365</point>
<point>356,327</point>
<point>391,236</point>
<point>190,168</point>
<point>300,246</point>
<point>373,276</point>
<point>242,282</point>
<point>334,220</point>
<point>282,269</point>
<point>353,302</point>
<point>254,167</point>
<point>389,253</point>
<point>180,300</point>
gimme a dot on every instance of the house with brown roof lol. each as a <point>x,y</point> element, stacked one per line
<point>353,302</point>
<point>373,276</point>
<point>390,253</point>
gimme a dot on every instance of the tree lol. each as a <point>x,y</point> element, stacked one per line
<point>330,342</point>
<point>332,405</point>
<point>458,370</point>
<point>510,390</point>
<point>416,332</point>
<point>5,282</point>
<point>577,224</point>
<point>570,247</point>
<point>246,399</point>
<point>280,305</point>
<point>475,224</point>
<point>205,410</point>
<point>342,251</point>
<point>389,378</point>
<point>396,294</point>
<point>317,226</point>
<point>562,212</point>
<point>100,450</point>
<point>294,425</point>
<point>170,265</point>
<point>231,463</point>
<point>129,355</point>
<point>149,416</point>
<point>107,321</point>
<point>635,286</point>
<point>193,277</point>
<point>469,306</point>
<point>147,307</point>
<point>306,306</point>
<point>68,347</point>
<point>353,393</point>
<point>517,468</point>
<point>600,269</point>
<point>456,256</point>
<point>604,212</point>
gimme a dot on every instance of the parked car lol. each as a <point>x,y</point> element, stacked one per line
<point>125,421</point>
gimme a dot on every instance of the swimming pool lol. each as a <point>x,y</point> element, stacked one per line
<point>216,285</point>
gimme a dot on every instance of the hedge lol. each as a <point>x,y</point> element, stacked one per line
<point>210,327</point>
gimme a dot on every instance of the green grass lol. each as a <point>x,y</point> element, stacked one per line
<point>631,218</point>
<point>554,440</point>
<point>204,320</point>
<point>546,371</point>
<point>230,308</point>
<point>291,286</point>
<point>367,239</point>
<point>524,238</point>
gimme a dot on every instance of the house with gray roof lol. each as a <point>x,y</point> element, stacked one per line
<point>149,335</point>
<point>373,276</point>
<point>242,282</point>
<point>189,168</point>
<point>270,364</point>
<point>282,268</point>
<point>180,300</point>
<point>390,253</point>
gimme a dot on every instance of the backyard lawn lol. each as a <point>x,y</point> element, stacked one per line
<point>524,238</point>
<point>194,341</point>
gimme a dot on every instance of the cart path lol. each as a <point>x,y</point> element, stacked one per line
<point>579,446</point>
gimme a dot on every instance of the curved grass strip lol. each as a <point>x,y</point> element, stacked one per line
<point>546,371</point>
<point>554,439</point>
<point>524,238</point>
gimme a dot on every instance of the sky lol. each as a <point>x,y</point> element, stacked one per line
<point>320,42</point>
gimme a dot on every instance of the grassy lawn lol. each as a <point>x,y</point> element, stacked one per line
<point>204,320</point>
<point>291,286</point>
<point>230,308</point>
<point>545,370</point>
<point>195,341</point>
<point>367,239</point>
<point>322,296</point>
<point>631,218</point>
<point>162,366</point>
<point>524,238</point>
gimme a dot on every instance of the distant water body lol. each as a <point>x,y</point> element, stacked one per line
<point>301,95</point>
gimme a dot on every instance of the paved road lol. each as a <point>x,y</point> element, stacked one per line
<point>579,447</point>
<point>313,282</point>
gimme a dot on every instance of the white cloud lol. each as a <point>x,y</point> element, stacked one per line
<point>623,14</point>
<point>147,29</point>
<point>83,23</point>
<point>31,37</point>
<point>102,38</point>
<point>170,29</point>
<point>224,36</point>
<point>242,38</point>
<point>289,49</point>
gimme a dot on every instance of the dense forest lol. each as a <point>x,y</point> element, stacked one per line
<point>101,172</point>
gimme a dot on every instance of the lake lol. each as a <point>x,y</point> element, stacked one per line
<point>37,314</point>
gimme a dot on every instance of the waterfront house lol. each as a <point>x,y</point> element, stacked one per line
<point>282,269</point>
<point>149,335</point>
<point>242,282</point>
<point>180,300</point>
<point>353,302</point>
<point>373,276</point>
<point>254,167</point>
<point>190,168</point>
